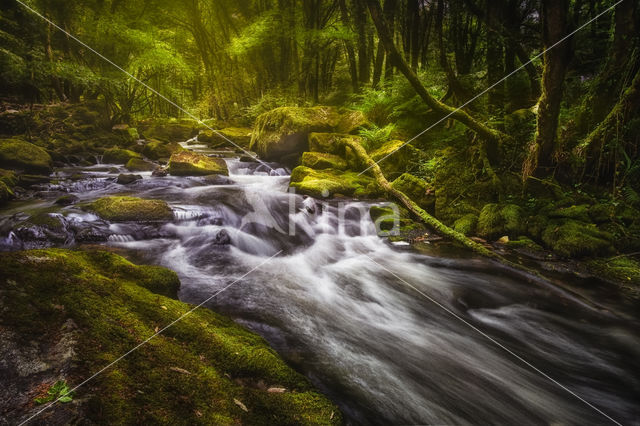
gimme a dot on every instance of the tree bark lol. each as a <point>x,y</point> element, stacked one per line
<point>554,28</point>
<point>495,56</point>
<point>351,53</point>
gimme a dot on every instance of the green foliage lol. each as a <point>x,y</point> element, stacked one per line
<point>59,392</point>
<point>374,137</point>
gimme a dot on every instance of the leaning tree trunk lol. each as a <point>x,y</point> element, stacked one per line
<point>487,133</point>
<point>431,221</point>
<point>556,59</point>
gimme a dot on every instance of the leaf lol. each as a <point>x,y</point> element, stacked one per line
<point>65,398</point>
<point>240,404</point>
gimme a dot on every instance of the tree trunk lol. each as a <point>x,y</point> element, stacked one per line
<point>554,28</point>
<point>495,56</point>
<point>485,132</point>
<point>361,31</point>
<point>351,53</point>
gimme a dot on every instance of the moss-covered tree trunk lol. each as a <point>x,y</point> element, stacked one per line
<point>556,59</point>
<point>495,56</point>
<point>385,37</point>
<point>431,221</point>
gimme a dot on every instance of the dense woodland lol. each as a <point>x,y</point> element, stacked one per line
<point>509,127</point>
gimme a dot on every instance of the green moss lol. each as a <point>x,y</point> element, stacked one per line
<point>329,143</point>
<point>191,373</point>
<point>417,189</point>
<point>119,156</point>
<point>498,220</point>
<point>156,149</point>
<point>187,163</point>
<point>124,209</point>
<point>140,165</point>
<point>329,182</point>
<point>5,193</point>
<point>625,270</point>
<point>169,130</point>
<point>580,212</point>
<point>21,155</point>
<point>241,136</point>
<point>570,238</point>
<point>466,225</point>
<point>319,160</point>
<point>524,242</point>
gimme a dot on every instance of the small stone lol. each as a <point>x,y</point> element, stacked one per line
<point>504,239</point>
<point>159,173</point>
<point>126,179</point>
<point>66,200</point>
<point>276,390</point>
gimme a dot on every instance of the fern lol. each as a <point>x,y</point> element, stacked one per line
<point>630,196</point>
<point>376,136</point>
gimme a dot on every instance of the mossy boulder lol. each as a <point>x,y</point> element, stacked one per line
<point>68,314</point>
<point>8,181</point>
<point>126,179</point>
<point>394,157</point>
<point>140,165</point>
<point>119,156</point>
<point>580,212</point>
<point>417,189</point>
<point>5,193</point>
<point>157,150</point>
<point>240,136</point>
<point>321,160</point>
<point>169,130</point>
<point>282,134</point>
<point>622,269</point>
<point>21,155</point>
<point>497,220</point>
<point>329,182</point>
<point>126,133</point>
<point>571,238</point>
<point>330,143</point>
<point>466,225</point>
<point>130,209</point>
<point>187,163</point>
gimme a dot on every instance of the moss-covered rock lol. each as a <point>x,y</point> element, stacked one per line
<point>394,157</point>
<point>580,212</point>
<point>125,209</point>
<point>71,313</point>
<point>140,165</point>
<point>5,193</point>
<point>320,160</point>
<point>119,156</point>
<point>240,136</point>
<point>417,189</point>
<point>126,133</point>
<point>571,238</point>
<point>187,163</point>
<point>329,143</point>
<point>21,155</point>
<point>329,182</point>
<point>466,225</point>
<point>169,130</point>
<point>8,181</point>
<point>497,220</point>
<point>157,150</point>
<point>282,134</point>
<point>126,179</point>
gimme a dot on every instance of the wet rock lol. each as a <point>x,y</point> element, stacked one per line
<point>238,135</point>
<point>160,172</point>
<point>127,209</point>
<point>139,165</point>
<point>222,238</point>
<point>91,235</point>
<point>156,149</point>
<point>66,200</point>
<point>217,180</point>
<point>21,155</point>
<point>119,156</point>
<point>126,179</point>
<point>247,159</point>
<point>187,163</point>
<point>30,180</point>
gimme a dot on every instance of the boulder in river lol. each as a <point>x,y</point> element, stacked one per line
<point>320,160</point>
<point>156,150</point>
<point>22,155</point>
<point>66,200</point>
<point>169,130</point>
<point>67,313</point>
<point>119,156</point>
<point>126,179</point>
<point>330,182</point>
<point>140,165</point>
<point>240,136</point>
<point>187,163</point>
<point>126,209</point>
<point>282,133</point>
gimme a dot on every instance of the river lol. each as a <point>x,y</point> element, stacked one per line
<point>391,334</point>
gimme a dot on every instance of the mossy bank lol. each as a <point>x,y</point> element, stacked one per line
<point>67,314</point>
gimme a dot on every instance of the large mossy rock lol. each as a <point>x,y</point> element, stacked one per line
<point>498,220</point>
<point>330,182</point>
<point>169,130</point>
<point>394,157</point>
<point>187,163</point>
<point>321,160</point>
<point>130,209</point>
<point>8,181</point>
<point>140,165</point>
<point>119,156</point>
<point>157,150</point>
<point>282,134</point>
<point>21,155</point>
<point>240,136</point>
<point>330,143</point>
<point>575,239</point>
<point>68,314</point>
<point>417,189</point>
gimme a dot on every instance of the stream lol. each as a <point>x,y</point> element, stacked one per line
<point>336,305</point>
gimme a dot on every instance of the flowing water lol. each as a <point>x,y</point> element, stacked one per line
<point>336,302</point>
